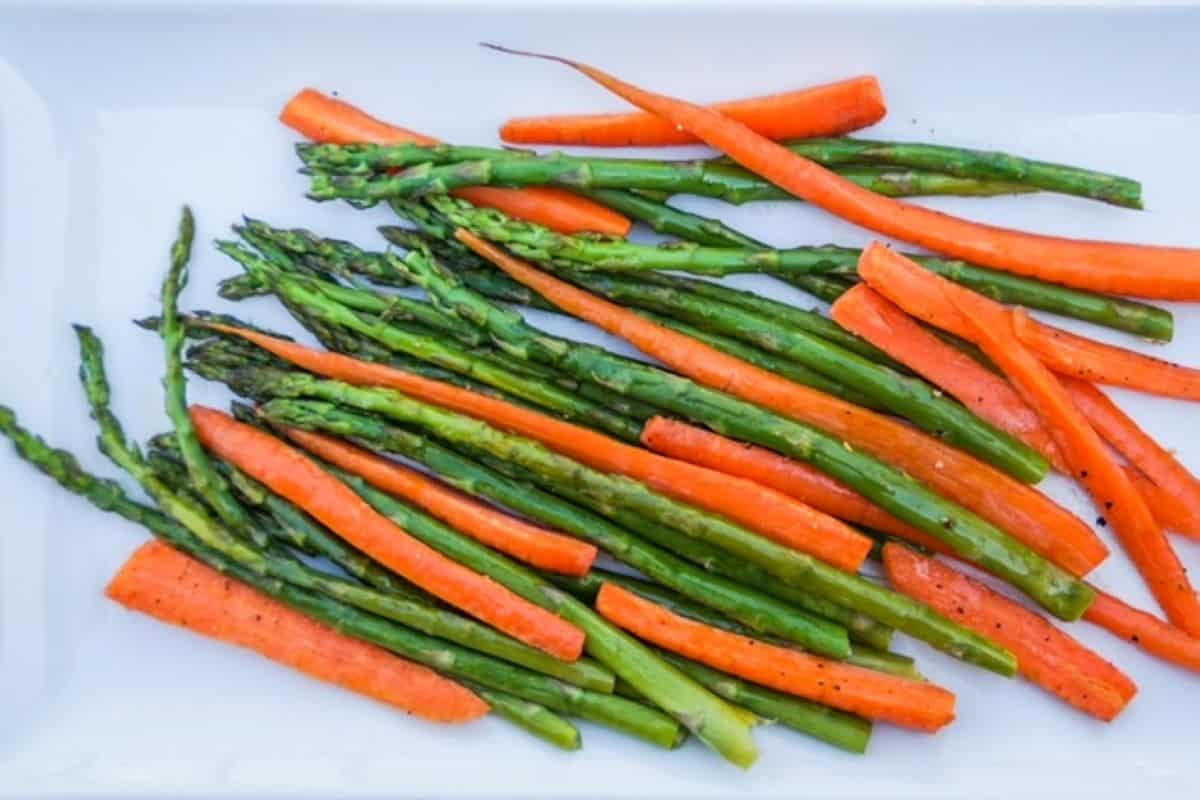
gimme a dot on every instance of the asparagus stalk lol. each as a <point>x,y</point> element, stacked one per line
<point>967,534</point>
<point>556,250</point>
<point>537,719</point>
<point>670,221</point>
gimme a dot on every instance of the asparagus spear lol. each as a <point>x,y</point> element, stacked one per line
<point>670,221</point>
<point>537,719</point>
<point>573,252</point>
<point>967,534</point>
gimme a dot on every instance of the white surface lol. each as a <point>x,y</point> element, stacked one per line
<point>112,119</point>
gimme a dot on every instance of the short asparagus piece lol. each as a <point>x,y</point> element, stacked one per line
<point>537,719</point>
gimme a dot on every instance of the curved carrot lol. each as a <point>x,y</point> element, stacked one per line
<point>171,587</point>
<point>1087,455</point>
<point>327,119</point>
<point>1145,630</point>
<point>832,109</point>
<point>869,314</point>
<point>768,468</point>
<point>1023,512</point>
<point>291,474</point>
<point>1169,509</point>
<point>1045,655</point>
<point>1143,270</point>
<point>533,545</point>
<point>874,695</point>
<point>763,510</point>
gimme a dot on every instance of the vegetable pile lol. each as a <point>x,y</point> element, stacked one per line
<point>415,509</point>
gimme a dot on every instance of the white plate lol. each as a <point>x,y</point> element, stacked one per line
<point>113,116</point>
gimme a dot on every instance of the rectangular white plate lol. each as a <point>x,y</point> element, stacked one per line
<point>112,116</point>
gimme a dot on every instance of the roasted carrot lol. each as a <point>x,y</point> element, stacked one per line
<point>1090,461</point>
<point>1145,630</point>
<point>171,587</point>
<point>1023,512</point>
<point>1143,270</point>
<point>831,109</point>
<point>1045,655</point>
<point>296,477</point>
<point>328,119</point>
<point>1166,507</point>
<point>872,316</point>
<point>874,695</point>
<point>763,510</point>
<point>529,543</point>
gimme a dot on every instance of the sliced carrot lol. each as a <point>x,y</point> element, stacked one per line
<point>1143,270</point>
<point>529,543</point>
<point>832,109</point>
<point>1145,630</point>
<point>328,119</point>
<point>872,316</point>
<point>874,695</point>
<point>171,587</point>
<point>1090,460</point>
<point>1167,508</point>
<point>763,510</point>
<point>1020,510</point>
<point>296,477</point>
<point>1045,655</point>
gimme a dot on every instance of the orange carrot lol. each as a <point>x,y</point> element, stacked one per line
<point>1022,511</point>
<point>1145,630</point>
<point>1143,270</point>
<point>293,475</point>
<point>1045,655</point>
<point>832,109</point>
<point>1167,508</point>
<point>1070,354</point>
<point>327,119</point>
<point>763,510</point>
<point>519,539</point>
<point>875,695</point>
<point>867,313</point>
<point>1090,460</point>
<point>171,587</point>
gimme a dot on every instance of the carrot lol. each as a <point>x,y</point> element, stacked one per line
<point>832,109</point>
<point>327,119</point>
<point>763,510</point>
<point>171,587</point>
<point>296,477</point>
<point>768,468</point>
<point>1167,508</point>
<point>1023,512</point>
<point>1143,270</point>
<point>533,545</point>
<point>872,316</point>
<point>874,695</point>
<point>1045,655</point>
<point>1087,455</point>
<point>1145,630</point>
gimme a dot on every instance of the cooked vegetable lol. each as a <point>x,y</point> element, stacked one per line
<point>1145,631</point>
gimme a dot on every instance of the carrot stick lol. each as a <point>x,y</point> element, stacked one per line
<point>1145,630</point>
<point>763,510</point>
<point>872,316</point>
<point>293,475</point>
<point>1045,655</point>
<point>1167,508</point>
<point>327,119</point>
<point>1023,512</point>
<point>529,543</point>
<point>874,695</point>
<point>832,109</point>
<point>171,587</point>
<point>1083,449</point>
<point>1143,270</point>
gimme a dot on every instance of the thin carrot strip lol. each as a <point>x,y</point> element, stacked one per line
<point>875,695</point>
<point>1143,270</point>
<point>831,109</point>
<point>171,587</point>
<point>763,510</point>
<point>1045,655</point>
<point>293,475</point>
<point>529,543</point>
<point>1145,630</point>
<point>328,119</point>
<point>1023,512</point>
<point>1166,507</point>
